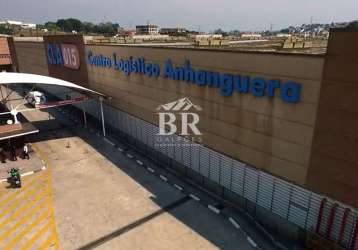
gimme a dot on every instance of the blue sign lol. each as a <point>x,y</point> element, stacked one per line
<point>54,54</point>
<point>227,84</point>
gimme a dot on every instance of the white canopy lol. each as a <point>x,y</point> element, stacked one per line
<point>9,78</point>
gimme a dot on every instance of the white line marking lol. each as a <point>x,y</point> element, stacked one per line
<point>25,174</point>
<point>28,173</point>
<point>234,223</point>
<point>178,187</point>
<point>194,197</point>
<point>108,141</point>
<point>119,149</point>
<point>251,241</point>
<point>163,178</point>
<point>139,162</point>
<point>214,209</point>
<point>17,135</point>
<point>129,156</point>
<point>150,169</point>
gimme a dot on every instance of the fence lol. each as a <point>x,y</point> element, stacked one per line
<point>308,210</point>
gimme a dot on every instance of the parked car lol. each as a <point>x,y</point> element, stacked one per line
<point>36,98</point>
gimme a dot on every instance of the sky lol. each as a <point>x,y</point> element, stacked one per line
<point>206,15</point>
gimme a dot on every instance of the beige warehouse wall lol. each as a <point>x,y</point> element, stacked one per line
<point>334,163</point>
<point>266,133</point>
<point>31,57</point>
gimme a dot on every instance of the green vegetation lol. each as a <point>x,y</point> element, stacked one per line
<point>227,33</point>
<point>353,25</point>
<point>72,24</point>
<point>285,31</point>
<point>5,30</point>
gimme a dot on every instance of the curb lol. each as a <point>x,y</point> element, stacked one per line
<point>212,208</point>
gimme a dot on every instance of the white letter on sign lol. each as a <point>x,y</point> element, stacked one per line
<point>191,125</point>
<point>163,124</point>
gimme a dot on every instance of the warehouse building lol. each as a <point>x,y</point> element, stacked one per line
<point>277,132</point>
<point>149,29</point>
<point>7,58</point>
<point>173,31</point>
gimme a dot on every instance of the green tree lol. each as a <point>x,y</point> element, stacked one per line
<point>234,33</point>
<point>88,27</point>
<point>61,24</point>
<point>75,24</point>
<point>72,24</point>
<point>220,32</point>
<point>107,28</point>
<point>51,26</point>
<point>5,30</point>
<point>286,31</point>
<point>353,25</point>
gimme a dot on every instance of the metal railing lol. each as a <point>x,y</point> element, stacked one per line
<point>306,209</point>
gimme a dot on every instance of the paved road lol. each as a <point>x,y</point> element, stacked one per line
<point>111,203</point>
<point>96,197</point>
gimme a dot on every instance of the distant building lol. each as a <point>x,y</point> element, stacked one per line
<point>173,31</point>
<point>198,37</point>
<point>149,29</point>
<point>324,33</point>
<point>251,36</point>
<point>127,33</point>
<point>150,37</point>
<point>7,61</point>
<point>15,23</point>
<point>18,24</point>
<point>28,26</point>
<point>283,35</point>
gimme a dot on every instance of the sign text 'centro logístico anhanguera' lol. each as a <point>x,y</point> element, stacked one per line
<point>226,83</point>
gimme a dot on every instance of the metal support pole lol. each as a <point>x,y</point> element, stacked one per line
<point>102,115</point>
<point>16,121</point>
<point>320,215</point>
<point>343,225</point>
<point>84,115</point>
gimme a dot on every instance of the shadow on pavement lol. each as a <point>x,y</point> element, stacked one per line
<point>198,218</point>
